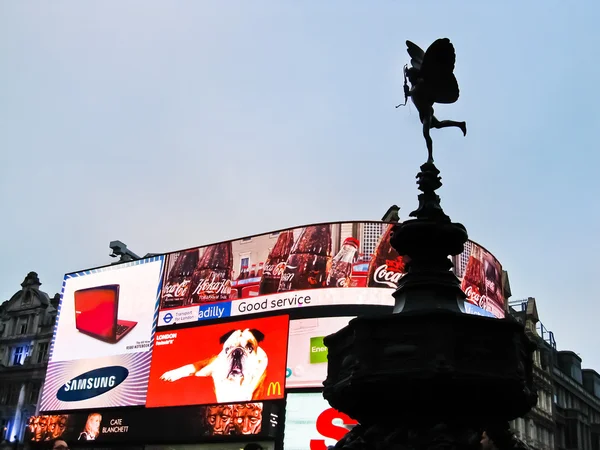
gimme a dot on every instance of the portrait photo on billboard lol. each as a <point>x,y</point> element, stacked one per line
<point>313,265</point>
<point>48,427</point>
<point>311,423</point>
<point>221,363</point>
<point>481,279</point>
<point>307,354</point>
<point>101,425</point>
<point>223,420</point>
<point>108,311</point>
<point>253,445</point>
<point>134,425</point>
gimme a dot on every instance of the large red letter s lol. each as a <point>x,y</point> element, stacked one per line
<point>328,429</point>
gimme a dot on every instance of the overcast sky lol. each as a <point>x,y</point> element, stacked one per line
<point>173,124</point>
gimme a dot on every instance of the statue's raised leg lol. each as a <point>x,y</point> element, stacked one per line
<point>449,123</point>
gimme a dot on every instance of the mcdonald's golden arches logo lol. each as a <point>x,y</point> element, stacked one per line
<point>276,386</point>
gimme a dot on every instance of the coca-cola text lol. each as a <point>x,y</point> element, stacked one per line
<point>388,277</point>
<point>176,289</point>
<point>213,287</point>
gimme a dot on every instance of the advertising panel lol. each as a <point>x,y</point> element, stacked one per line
<point>481,279</point>
<point>265,445</point>
<point>141,425</point>
<point>101,349</point>
<point>310,423</point>
<point>307,354</point>
<point>302,267</point>
<point>221,363</point>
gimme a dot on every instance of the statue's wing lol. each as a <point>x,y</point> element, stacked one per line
<point>416,54</point>
<point>437,70</point>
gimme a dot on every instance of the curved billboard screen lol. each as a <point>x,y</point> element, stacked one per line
<point>315,265</point>
<point>125,327</point>
<point>480,274</point>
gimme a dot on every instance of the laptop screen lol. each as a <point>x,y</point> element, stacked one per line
<point>96,310</point>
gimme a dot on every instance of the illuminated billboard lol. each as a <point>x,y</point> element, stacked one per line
<point>480,274</point>
<point>221,363</point>
<point>158,425</point>
<point>307,354</point>
<point>106,351</point>
<point>101,348</point>
<point>311,423</point>
<point>317,265</point>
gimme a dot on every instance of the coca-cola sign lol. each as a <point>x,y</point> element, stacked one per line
<point>279,269</point>
<point>212,287</point>
<point>176,290</point>
<point>322,262</point>
<point>481,279</point>
<point>390,278</point>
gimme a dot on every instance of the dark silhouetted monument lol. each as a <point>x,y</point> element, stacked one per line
<point>429,376</point>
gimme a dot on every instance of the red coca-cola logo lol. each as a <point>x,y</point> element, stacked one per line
<point>213,287</point>
<point>176,289</point>
<point>275,270</point>
<point>483,301</point>
<point>288,277</point>
<point>383,275</point>
<point>279,269</point>
<point>342,282</point>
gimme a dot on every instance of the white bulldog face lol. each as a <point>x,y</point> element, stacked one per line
<point>240,349</point>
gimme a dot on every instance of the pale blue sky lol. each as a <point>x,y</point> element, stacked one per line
<point>173,124</point>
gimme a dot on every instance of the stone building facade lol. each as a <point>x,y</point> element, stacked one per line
<point>537,429</point>
<point>26,327</point>
<point>577,403</point>
<point>567,416</point>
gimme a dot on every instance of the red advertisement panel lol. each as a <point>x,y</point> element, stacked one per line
<point>311,423</point>
<point>481,279</point>
<point>223,363</point>
<point>329,263</point>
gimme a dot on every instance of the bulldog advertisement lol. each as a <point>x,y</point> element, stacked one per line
<point>102,344</point>
<point>349,263</point>
<point>223,363</point>
<point>141,425</point>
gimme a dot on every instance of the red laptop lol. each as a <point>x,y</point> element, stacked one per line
<point>96,313</point>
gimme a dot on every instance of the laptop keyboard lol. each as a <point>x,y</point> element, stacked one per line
<point>121,329</point>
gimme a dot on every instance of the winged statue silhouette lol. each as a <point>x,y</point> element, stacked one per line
<point>432,81</point>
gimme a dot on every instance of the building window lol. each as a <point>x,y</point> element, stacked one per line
<point>245,240</point>
<point>22,326</point>
<point>244,263</point>
<point>13,394</point>
<point>42,352</point>
<point>34,393</point>
<point>18,356</point>
<point>3,394</point>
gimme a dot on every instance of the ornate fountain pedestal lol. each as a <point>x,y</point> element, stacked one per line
<point>428,375</point>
